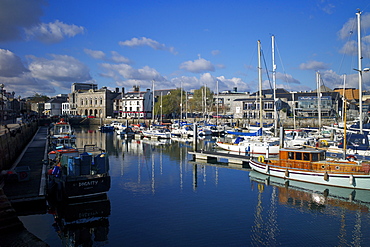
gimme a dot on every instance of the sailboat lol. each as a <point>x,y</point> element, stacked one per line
<point>257,144</point>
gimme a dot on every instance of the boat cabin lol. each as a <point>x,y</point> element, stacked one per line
<point>302,154</point>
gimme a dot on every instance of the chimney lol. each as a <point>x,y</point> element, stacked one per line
<point>123,90</point>
<point>117,90</point>
<point>235,89</point>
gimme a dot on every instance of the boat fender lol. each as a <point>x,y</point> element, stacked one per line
<point>261,159</point>
<point>351,157</point>
<point>351,179</point>
<point>326,176</point>
<point>286,173</point>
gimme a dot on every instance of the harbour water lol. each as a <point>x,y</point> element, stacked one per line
<point>159,196</point>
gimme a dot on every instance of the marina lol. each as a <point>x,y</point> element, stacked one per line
<point>164,193</point>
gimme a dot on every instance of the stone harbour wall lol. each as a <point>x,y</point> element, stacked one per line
<point>13,140</point>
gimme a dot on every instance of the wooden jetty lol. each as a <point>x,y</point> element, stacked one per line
<point>232,159</point>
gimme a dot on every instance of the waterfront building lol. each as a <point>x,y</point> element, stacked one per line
<point>93,102</point>
<point>53,107</point>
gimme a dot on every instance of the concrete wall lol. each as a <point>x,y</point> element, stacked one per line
<point>13,141</point>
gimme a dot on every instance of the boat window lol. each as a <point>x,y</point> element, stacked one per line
<point>306,156</point>
<point>298,156</point>
<point>315,157</point>
<point>291,155</point>
<point>322,156</point>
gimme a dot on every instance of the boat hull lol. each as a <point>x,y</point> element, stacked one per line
<point>254,150</point>
<point>78,187</point>
<point>346,180</point>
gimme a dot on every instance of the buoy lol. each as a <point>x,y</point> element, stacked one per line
<point>261,159</point>
<point>351,157</point>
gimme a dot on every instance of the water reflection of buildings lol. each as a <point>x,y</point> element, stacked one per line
<point>83,222</point>
<point>307,197</point>
<point>92,137</point>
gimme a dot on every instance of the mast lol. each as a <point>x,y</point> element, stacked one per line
<point>180,101</point>
<point>216,101</point>
<point>359,67</point>
<point>153,102</point>
<point>344,96</point>
<point>318,78</point>
<point>274,84</point>
<point>260,80</point>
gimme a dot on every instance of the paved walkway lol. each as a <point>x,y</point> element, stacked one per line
<point>24,197</point>
<point>31,173</point>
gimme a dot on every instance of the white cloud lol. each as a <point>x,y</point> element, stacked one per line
<point>95,54</point>
<point>19,14</point>
<point>53,32</point>
<point>143,41</point>
<point>10,64</point>
<point>61,69</point>
<point>287,78</point>
<point>313,65</point>
<point>128,72</point>
<point>198,66</point>
<point>326,6</point>
<point>215,52</point>
<point>193,82</point>
<point>116,57</point>
<point>350,27</point>
<point>26,85</point>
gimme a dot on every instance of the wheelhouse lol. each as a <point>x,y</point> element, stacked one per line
<point>302,154</point>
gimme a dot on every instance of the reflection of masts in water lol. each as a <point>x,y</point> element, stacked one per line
<point>257,239</point>
<point>272,228</point>
<point>357,236</point>
<point>216,175</point>
<point>204,174</point>
<point>195,176</point>
<point>181,170</point>
<point>342,230</point>
<point>153,176</point>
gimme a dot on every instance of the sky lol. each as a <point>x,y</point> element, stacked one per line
<point>45,46</point>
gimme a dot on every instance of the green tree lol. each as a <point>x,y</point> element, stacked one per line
<point>170,103</point>
<point>202,100</point>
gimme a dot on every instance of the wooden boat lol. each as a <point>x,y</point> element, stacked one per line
<point>77,173</point>
<point>311,165</point>
<point>313,196</point>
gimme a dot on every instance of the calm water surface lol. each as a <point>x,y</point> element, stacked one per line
<point>160,197</point>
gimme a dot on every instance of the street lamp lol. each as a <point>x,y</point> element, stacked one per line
<point>360,93</point>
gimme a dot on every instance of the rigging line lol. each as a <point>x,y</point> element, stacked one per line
<point>346,46</point>
<point>268,77</point>
<point>267,73</point>
<point>282,65</point>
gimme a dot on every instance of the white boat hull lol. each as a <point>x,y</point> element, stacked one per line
<point>254,149</point>
<point>324,178</point>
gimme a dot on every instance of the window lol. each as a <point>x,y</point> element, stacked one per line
<point>298,156</point>
<point>306,156</point>
<point>315,157</point>
<point>291,155</point>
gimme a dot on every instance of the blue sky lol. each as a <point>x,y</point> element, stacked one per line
<point>45,46</point>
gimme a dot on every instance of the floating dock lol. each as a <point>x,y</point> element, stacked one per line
<point>233,159</point>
